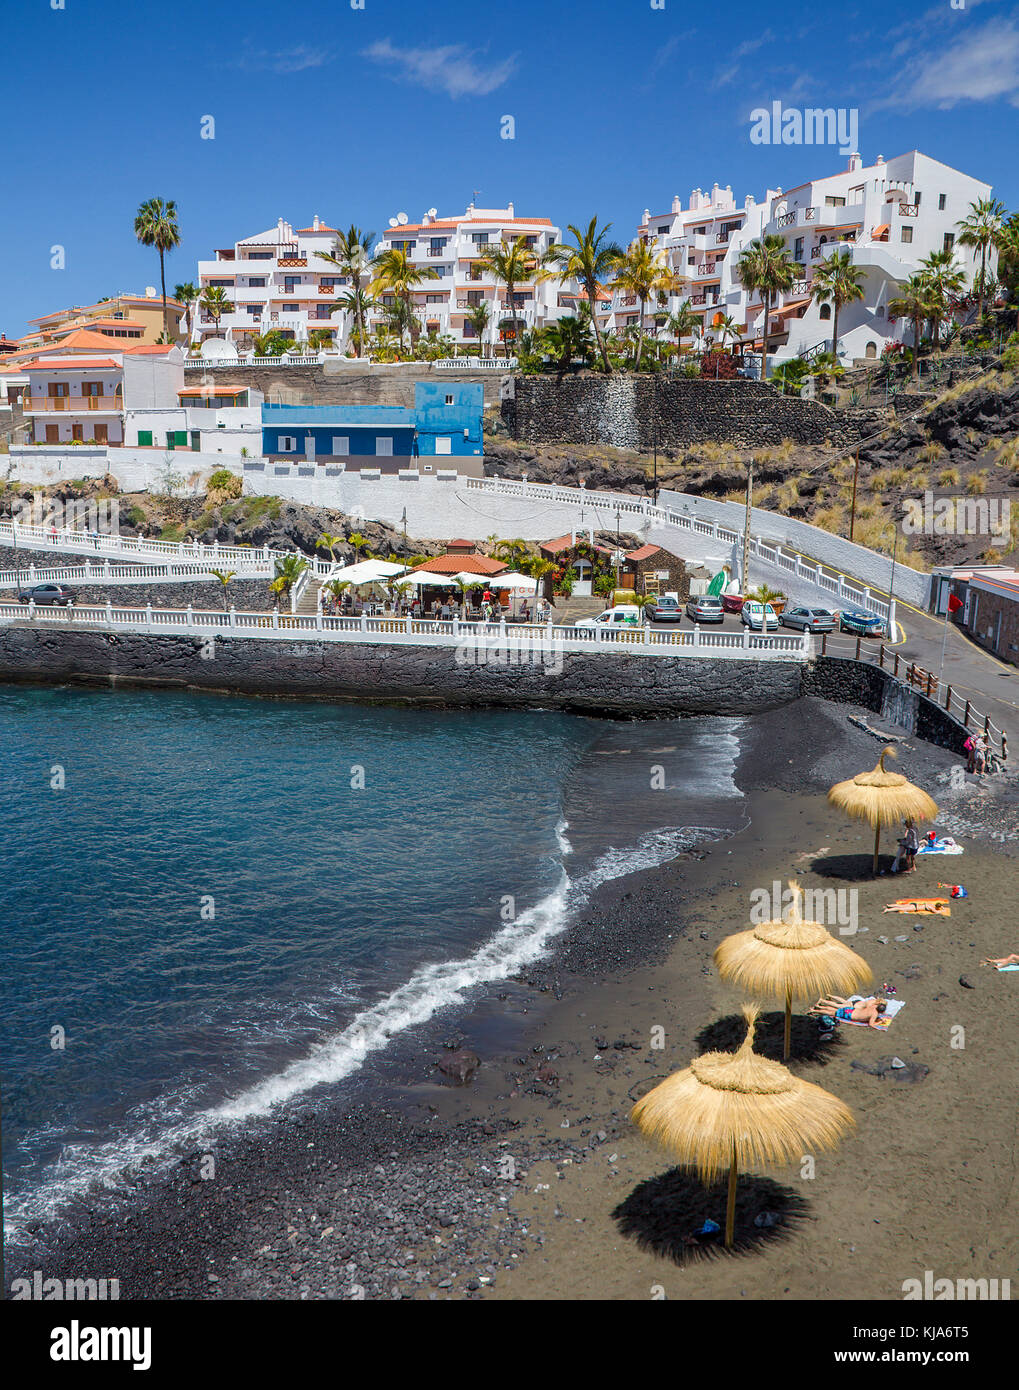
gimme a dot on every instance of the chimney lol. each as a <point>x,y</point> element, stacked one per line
<point>509,209</point>
<point>880,159</point>
<point>855,162</point>
<point>314,223</point>
<point>677,206</point>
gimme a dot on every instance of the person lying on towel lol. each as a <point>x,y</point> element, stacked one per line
<point>869,1011</point>
<point>939,906</point>
<point>1013,959</point>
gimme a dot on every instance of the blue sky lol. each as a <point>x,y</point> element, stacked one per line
<point>357,114</point>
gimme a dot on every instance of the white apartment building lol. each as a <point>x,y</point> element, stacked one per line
<point>274,280</point>
<point>87,398</point>
<point>889,215</point>
<point>453,247</point>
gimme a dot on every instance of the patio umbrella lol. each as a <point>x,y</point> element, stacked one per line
<point>790,958</point>
<point>730,1110</point>
<point>882,798</point>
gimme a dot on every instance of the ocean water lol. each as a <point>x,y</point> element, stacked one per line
<point>214,907</point>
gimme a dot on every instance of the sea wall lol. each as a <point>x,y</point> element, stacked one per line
<point>860,683</point>
<point>628,411</point>
<point>637,686</point>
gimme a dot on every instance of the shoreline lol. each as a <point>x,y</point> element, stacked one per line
<point>300,1197</point>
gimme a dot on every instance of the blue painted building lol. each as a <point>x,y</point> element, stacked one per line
<point>445,424</point>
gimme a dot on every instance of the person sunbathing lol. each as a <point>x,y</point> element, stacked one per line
<point>1013,959</point>
<point>868,1011</point>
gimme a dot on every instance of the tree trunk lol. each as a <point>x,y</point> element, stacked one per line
<point>162,281</point>
<point>835,330</point>
<point>980,297</point>
<point>916,349</point>
<point>592,299</point>
<point>764,336</point>
<point>640,335</point>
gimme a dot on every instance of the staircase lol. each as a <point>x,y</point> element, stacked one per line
<point>308,601</point>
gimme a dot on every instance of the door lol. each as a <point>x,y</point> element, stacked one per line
<point>102,434</point>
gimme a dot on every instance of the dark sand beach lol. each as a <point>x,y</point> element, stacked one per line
<point>519,1184</point>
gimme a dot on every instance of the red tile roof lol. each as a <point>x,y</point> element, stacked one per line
<point>553,547</point>
<point>643,552</point>
<point>454,564</point>
<point>71,364</point>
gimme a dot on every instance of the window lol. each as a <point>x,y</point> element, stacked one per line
<point>435,299</point>
<point>341,445</point>
<point>942,199</point>
<point>443,444</point>
<point>798,249</point>
<point>449,399</point>
<point>259,255</point>
<point>384,446</point>
<point>825,311</point>
<point>949,241</point>
<point>700,231</point>
<point>831,201</point>
<point>144,439</point>
<point>256,282</point>
<point>58,388</point>
<point>663,231</point>
<point>479,238</point>
<point>91,388</point>
<point>255,311</point>
<point>907,234</point>
<point>196,441</point>
<point>916,199</point>
<point>287,444</point>
<point>291,308</point>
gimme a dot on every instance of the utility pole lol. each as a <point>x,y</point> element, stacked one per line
<point>619,553</point>
<point>745,578</point>
<point>406,547</point>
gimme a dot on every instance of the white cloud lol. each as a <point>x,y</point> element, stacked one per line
<point>982,65</point>
<point>725,76</point>
<point>284,60</point>
<point>452,69</point>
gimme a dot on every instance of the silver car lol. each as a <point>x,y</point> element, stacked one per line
<point>705,608</point>
<point>809,619</point>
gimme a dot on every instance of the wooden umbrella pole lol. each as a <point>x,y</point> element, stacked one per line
<point>730,1208</point>
<point>877,842</point>
<point>788,1025</point>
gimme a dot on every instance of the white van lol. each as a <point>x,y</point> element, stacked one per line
<point>623,613</point>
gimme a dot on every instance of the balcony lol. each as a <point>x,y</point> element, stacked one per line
<point>722,238</point>
<point>703,270</point>
<point>328,289</point>
<point>698,298</point>
<point>438,251</point>
<point>908,210</point>
<point>72,405</point>
<point>292,260</point>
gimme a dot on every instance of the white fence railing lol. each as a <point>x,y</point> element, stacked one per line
<point>407,631</point>
<point>103,572</point>
<point>475,364</point>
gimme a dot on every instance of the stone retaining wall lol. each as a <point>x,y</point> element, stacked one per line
<point>622,410</point>
<point>845,681</point>
<point>593,684</point>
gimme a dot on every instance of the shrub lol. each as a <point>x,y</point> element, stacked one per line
<point>977,485</point>
<point>931,452</point>
<point>948,477</point>
<point>718,366</point>
<point>223,486</point>
<point>1010,358</point>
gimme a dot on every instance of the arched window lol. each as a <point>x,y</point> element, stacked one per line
<point>870,350</point>
<point>825,311</point>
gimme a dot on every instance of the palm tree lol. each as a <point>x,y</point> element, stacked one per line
<point>982,229</point>
<point>395,272</point>
<point>539,568</point>
<point>765,265</point>
<point>352,257</point>
<point>357,541</point>
<point>837,282</point>
<point>589,261</point>
<point>478,318</point>
<point>337,587</point>
<point>514,552</point>
<point>155,224</point>
<point>946,283</point>
<point>187,294</point>
<point>684,323</point>
<point>357,303</point>
<point>726,327</point>
<point>215,303</point>
<point>288,570</point>
<point>510,265</point>
<point>224,577</point>
<point>329,542</point>
<point>643,272</point>
<point>566,339</point>
<point>914,303</point>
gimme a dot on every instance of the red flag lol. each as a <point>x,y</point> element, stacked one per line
<point>954,604</point>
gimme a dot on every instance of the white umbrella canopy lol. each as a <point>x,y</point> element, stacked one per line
<point>366,572</point>
<point>519,583</point>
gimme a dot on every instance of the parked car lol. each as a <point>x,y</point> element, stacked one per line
<point>809,619</point>
<point>761,617</point>
<point>59,595</point>
<point>664,609</point>
<point>861,622</point>
<point>705,608</point>
<point>627,614</point>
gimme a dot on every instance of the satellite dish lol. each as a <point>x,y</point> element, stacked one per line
<point>150,291</point>
<point>402,218</point>
<point>218,350</point>
<point>393,222</point>
<point>433,212</point>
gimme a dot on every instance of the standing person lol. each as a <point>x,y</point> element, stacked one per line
<point>980,755</point>
<point>908,846</point>
<point>971,753</point>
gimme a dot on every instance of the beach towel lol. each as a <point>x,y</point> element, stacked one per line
<point>937,906</point>
<point>935,846</point>
<point>893,1007</point>
<point>1004,969</point>
<point>955,890</point>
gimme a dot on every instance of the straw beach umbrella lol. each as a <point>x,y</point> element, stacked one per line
<point>790,958</point>
<point>732,1110</point>
<point>882,798</point>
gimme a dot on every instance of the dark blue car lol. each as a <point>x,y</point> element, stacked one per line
<point>861,622</point>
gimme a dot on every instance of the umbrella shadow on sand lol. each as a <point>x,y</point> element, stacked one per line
<point>664,1215</point>
<point>851,868</point>
<point>808,1043</point>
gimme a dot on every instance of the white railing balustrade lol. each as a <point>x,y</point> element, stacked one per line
<point>404,631</point>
